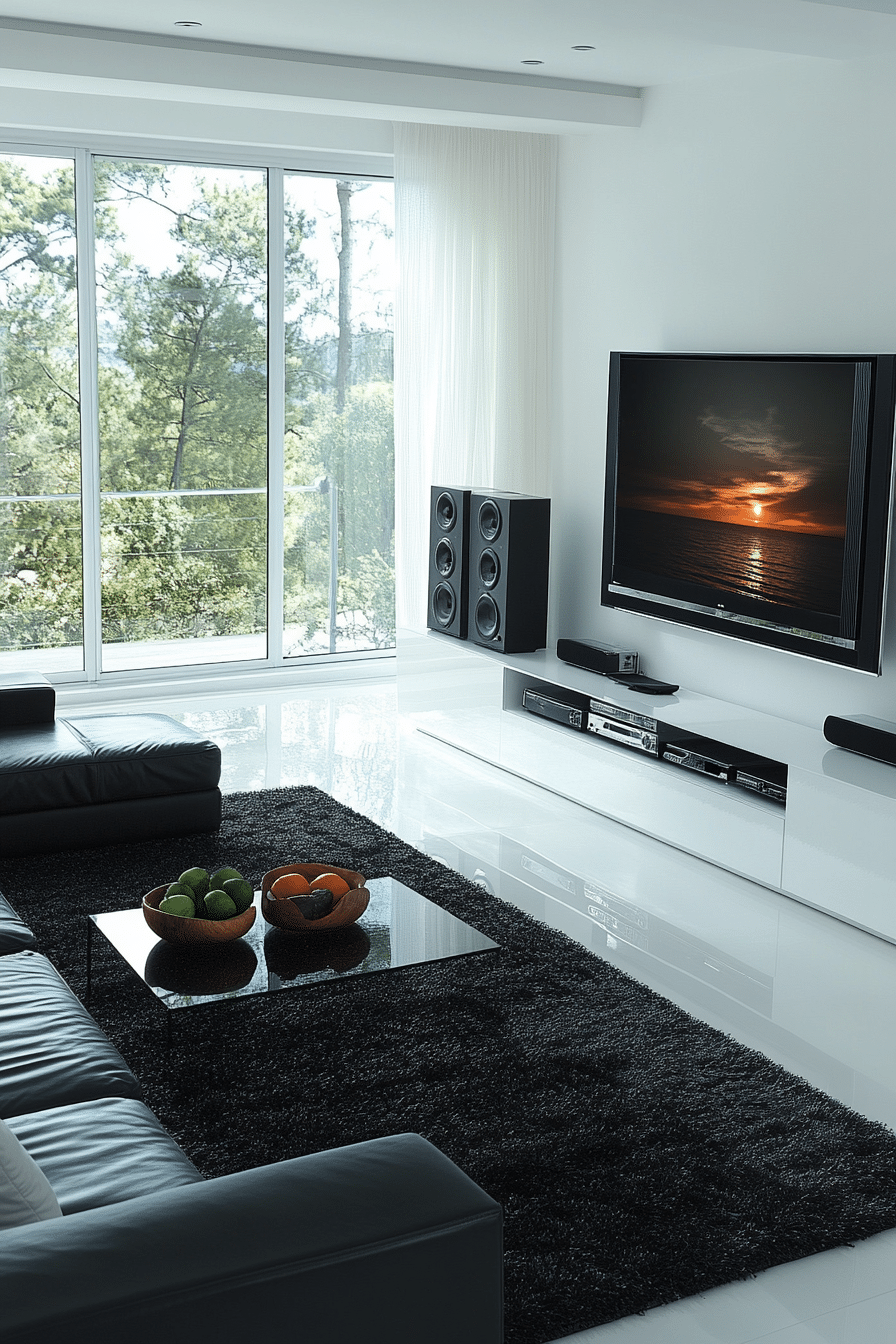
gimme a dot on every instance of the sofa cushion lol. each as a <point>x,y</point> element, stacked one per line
<point>102,1152</point>
<point>26,1196</point>
<point>25,699</point>
<point>42,766</point>
<point>15,934</point>
<point>52,1053</point>
<point>145,756</point>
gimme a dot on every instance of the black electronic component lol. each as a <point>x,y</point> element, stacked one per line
<point>548,707</point>
<point>594,657</point>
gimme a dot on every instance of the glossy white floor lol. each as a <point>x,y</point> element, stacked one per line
<point>814,994</point>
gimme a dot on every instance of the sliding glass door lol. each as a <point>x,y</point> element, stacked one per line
<point>41,604</point>
<point>237,500</point>
<point>181,284</point>
<point>339,509</point>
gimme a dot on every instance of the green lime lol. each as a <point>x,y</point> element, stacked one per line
<point>218,905</point>
<point>217,880</point>
<point>240,892</point>
<point>197,881</point>
<point>179,889</point>
<point>178,905</point>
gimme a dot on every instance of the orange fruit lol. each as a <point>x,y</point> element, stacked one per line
<point>290,884</point>
<point>333,882</point>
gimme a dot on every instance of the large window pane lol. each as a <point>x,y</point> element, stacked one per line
<point>182,313</point>
<point>41,605</point>
<point>339,575</point>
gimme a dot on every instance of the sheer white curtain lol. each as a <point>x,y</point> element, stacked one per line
<point>474,228</point>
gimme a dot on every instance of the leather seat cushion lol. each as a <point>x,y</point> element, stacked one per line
<point>146,756</point>
<point>44,765</point>
<point>100,759</point>
<point>52,1053</point>
<point>103,1152</point>
<point>15,934</point>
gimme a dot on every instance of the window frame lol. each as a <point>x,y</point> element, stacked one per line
<point>276,162</point>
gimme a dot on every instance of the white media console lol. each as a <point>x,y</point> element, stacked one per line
<point>832,846</point>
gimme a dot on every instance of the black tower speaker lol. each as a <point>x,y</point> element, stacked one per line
<point>509,548</point>
<point>449,539</point>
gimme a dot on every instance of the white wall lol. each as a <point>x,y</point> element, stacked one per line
<point>758,214</point>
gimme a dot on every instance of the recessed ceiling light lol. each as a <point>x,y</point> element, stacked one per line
<point>584,48</point>
<point>187,23</point>
<point>531,62</point>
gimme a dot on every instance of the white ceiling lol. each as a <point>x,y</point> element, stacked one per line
<point>637,42</point>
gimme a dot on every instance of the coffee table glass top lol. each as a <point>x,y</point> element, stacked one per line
<point>399,928</point>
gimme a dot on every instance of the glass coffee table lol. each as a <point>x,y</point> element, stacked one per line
<point>399,928</point>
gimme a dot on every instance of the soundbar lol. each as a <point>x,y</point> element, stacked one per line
<point>864,735</point>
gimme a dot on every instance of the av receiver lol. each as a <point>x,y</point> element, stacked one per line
<point>626,726</point>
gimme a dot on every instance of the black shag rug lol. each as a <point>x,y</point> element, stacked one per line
<point>640,1155</point>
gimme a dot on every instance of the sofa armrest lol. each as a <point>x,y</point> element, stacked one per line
<point>386,1242</point>
<point>26,700</point>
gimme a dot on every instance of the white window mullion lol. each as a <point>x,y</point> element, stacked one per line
<point>276,410</point>
<point>89,398</point>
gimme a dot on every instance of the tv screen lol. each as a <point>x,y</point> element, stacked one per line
<point>750,495</point>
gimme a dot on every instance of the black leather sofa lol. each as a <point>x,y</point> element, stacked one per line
<point>71,783</point>
<point>385,1242</point>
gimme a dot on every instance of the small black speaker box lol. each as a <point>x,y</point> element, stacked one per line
<point>863,734</point>
<point>449,542</point>
<point>508,572</point>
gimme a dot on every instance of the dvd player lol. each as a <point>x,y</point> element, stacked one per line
<point>731,765</point>
<point>548,707</point>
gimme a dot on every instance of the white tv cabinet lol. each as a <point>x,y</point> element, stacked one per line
<point>833,846</point>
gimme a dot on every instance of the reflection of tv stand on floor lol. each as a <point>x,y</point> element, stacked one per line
<point>831,846</point>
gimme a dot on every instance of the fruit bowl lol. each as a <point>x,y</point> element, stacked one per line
<point>181,931</point>
<point>285,915</point>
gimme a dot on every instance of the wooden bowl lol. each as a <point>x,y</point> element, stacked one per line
<point>284,915</point>
<point>193,932</point>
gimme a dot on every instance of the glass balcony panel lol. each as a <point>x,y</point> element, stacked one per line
<point>41,626</point>
<point>184,578</point>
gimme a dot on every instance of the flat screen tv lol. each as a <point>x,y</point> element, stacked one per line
<point>750,495</point>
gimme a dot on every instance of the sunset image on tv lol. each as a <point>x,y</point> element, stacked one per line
<point>735,474</point>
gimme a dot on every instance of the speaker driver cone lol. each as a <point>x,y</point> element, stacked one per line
<point>443,603</point>
<point>489,568</point>
<point>489,519</point>
<point>446,511</point>
<point>488,618</point>
<point>445,558</point>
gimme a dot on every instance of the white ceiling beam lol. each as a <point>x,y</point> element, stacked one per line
<point>105,63</point>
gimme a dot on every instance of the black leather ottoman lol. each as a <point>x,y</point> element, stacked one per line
<point>71,783</point>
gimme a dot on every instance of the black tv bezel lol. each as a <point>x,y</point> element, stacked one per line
<point>866,655</point>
